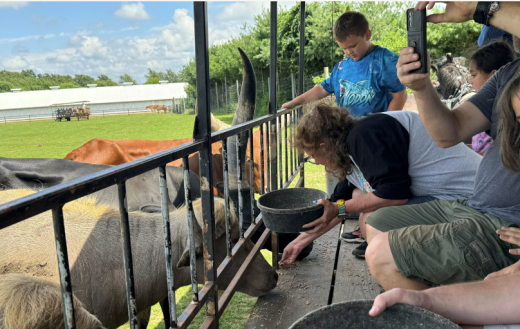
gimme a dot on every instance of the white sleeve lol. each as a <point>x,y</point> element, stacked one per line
<point>503,326</point>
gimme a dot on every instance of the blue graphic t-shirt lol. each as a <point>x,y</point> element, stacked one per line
<point>365,86</point>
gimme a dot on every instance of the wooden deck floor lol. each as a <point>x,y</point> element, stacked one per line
<point>305,286</point>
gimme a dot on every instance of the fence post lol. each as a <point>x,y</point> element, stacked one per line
<point>269,86</point>
<point>225,90</point>
<point>5,121</point>
<point>29,118</point>
<point>216,94</point>
<point>238,94</point>
<point>272,112</point>
<point>292,85</point>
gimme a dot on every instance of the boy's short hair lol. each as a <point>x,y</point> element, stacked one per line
<point>350,23</point>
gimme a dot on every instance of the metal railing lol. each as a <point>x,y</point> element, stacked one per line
<point>54,198</point>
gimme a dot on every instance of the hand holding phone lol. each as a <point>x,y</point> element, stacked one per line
<point>416,28</point>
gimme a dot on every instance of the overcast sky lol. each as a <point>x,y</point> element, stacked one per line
<point>111,38</point>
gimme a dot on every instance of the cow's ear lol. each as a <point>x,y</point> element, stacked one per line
<point>151,209</point>
<point>184,260</point>
<point>220,187</point>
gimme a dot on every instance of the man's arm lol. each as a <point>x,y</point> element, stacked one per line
<point>398,101</point>
<point>316,93</point>
<point>370,202</point>
<point>458,12</point>
<point>447,128</point>
<point>474,303</point>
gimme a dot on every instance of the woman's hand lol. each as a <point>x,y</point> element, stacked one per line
<point>290,252</point>
<point>330,212</point>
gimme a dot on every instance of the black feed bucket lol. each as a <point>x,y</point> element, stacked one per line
<point>287,210</point>
<point>354,315</point>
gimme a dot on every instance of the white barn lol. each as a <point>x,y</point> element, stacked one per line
<point>98,99</point>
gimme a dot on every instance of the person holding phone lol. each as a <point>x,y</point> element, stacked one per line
<point>443,242</point>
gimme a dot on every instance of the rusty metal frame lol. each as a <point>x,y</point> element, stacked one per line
<point>53,198</point>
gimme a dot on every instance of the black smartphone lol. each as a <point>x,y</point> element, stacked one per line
<point>416,27</point>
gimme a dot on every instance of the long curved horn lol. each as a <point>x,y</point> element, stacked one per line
<point>244,112</point>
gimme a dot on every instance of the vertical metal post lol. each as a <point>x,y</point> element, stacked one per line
<point>127,252</point>
<point>165,200</point>
<point>292,141</point>
<point>226,197</point>
<point>286,150</point>
<point>262,173</point>
<point>268,152</point>
<point>216,94</point>
<point>64,269</point>
<point>225,90</point>
<point>272,111</point>
<point>302,46</point>
<point>280,150</point>
<point>189,212</point>
<point>202,131</point>
<point>292,86</point>
<point>240,196</point>
<point>302,72</point>
<point>252,175</point>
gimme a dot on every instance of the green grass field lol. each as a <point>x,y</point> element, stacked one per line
<point>50,139</point>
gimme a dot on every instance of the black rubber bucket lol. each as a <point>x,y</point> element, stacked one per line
<point>354,315</point>
<point>287,210</point>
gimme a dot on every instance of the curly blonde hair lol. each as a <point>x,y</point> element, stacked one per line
<point>329,125</point>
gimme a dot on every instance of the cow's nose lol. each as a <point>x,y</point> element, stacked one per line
<point>276,276</point>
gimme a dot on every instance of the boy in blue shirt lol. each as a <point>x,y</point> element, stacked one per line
<point>365,81</point>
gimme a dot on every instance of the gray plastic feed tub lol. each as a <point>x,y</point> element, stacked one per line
<point>354,315</point>
<point>287,210</point>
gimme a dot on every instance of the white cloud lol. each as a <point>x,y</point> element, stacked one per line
<point>132,11</point>
<point>26,38</point>
<point>93,47</point>
<point>15,63</point>
<point>13,4</point>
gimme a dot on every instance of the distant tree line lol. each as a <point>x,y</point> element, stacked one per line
<point>387,23</point>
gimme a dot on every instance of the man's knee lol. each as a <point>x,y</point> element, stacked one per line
<point>378,253</point>
<point>371,233</point>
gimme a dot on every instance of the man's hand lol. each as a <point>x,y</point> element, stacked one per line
<point>330,212</point>
<point>290,252</point>
<point>408,61</point>
<point>515,268</point>
<point>456,12</point>
<point>288,105</point>
<point>399,295</point>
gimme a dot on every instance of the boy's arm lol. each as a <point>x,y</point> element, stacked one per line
<point>398,101</point>
<point>316,93</point>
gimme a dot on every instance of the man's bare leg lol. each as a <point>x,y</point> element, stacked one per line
<point>383,268</point>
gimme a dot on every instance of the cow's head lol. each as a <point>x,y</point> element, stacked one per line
<point>259,278</point>
<point>451,75</point>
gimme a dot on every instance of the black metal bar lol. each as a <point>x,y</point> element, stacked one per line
<point>286,151</point>
<point>302,46</point>
<point>262,173</point>
<point>291,117</point>
<point>302,168</point>
<point>280,150</point>
<point>165,200</point>
<point>202,130</point>
<point>64,268</point>
<point>189,213</point>
<point>127,252</point>
<point>226,197</point>
<point>336,258</point>
<point>272,110</point>
<point>268,150</point>
<point>252,175</point>
<point>240,195</point>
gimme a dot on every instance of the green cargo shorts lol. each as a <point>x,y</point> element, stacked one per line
<point>442,242</point>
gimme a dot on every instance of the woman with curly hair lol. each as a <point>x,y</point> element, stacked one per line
<point>384,159</point>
